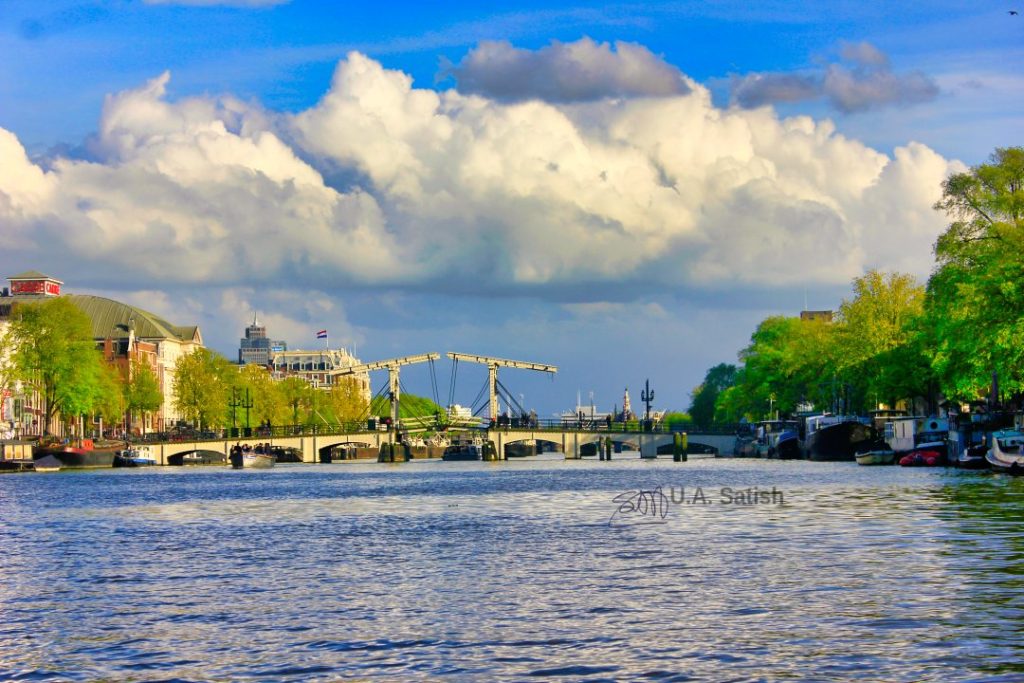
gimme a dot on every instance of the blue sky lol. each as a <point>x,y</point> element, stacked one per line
<point>708,164</point>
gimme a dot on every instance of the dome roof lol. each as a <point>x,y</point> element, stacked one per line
<point>113,319</point>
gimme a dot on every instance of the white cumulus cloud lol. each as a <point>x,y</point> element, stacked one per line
<point>383,185</point>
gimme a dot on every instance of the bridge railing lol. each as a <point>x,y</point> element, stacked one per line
<point>263,432</point>
<point>542,424</point>
<point>586,424</point>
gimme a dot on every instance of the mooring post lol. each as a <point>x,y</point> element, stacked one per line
<point>608,448</point>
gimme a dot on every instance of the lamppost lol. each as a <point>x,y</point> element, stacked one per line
<point>647,396</point>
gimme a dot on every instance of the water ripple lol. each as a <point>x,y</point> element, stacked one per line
<point>475,571</point>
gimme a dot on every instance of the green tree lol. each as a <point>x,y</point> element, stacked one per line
<point>880,354</point>
<point>346,400</point>
<point>975,303</point>
<point>202,381</point>
<point>266,398</point>
<point>142,390</point>
<point>788,362</point>
<point>703,399</point>
<point>110,402</point>
<point>55,354</point>
<point>296,396</point>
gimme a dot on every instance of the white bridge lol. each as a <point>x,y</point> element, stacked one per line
<point>571,442</point>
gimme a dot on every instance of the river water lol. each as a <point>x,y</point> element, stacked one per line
<point>528,570</point>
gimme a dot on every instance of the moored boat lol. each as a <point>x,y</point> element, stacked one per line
<point>1007,452</point>
<point>81,453</point>
<point>973,458</point>
<point>883,456</point>
<point>464,450</point>
<point>836,437</point>
<point>923,458</point>
<point>136,456</point>
<point>778,439</point>
<point>46,464</point>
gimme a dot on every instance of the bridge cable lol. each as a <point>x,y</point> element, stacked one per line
<point>451,383</point>
<point>480,394</point>
<point>433,384</point>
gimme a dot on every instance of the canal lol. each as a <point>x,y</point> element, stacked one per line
<point>525,570</point>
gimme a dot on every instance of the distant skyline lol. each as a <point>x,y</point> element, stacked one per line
<point>621,190</point>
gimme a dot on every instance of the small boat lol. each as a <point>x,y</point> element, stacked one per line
<point>286,454</point>
<point>922,458</point>
<point>465,450</point>
<point>46,464</point>
<point>136,456</point>
<point>745,446</point>
<point>1007,452</point>
<point>973,458</point>
<point>255,460</point>
<point>246,457</point>
<point>882,456</point>
<point>778,439</point>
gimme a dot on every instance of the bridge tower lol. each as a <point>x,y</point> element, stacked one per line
<point>392,365</point>
<point>492,372</point>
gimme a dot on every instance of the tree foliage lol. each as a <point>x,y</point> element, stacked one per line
<point>142,392</point>
<point>54,354</point>
<point>874,351</point>
<point>111,403</point>
<point>202,381</point>
<point>975,304</point>
<point>881,357</point>
<point>703,399</point>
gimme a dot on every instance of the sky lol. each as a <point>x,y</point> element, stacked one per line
<point>622,190</point>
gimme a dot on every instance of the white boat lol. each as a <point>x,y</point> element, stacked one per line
<point>879,457</point>
<point>257,460</point>
<point>47,464</point>
<point>1007,452</point>
<point>136,456</point>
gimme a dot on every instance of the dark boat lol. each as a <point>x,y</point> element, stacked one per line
<point>837,437</point>
<point>197,457</point>
<point>83,453</point>
<point>467,450</point>
<point>286,454</point>
<point>778,439</point>
<point>973,458</point>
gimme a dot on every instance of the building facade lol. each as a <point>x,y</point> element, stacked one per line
<point>122,333</point>
<point>319,368</point>
<point>255,348</point>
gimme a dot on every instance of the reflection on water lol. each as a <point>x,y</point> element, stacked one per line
<point>478,571</point>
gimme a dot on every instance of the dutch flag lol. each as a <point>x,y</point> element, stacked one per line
<point>322,334</point>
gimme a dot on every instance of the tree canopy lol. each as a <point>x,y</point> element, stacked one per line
<point>55,354</point>
<point>975,304</point>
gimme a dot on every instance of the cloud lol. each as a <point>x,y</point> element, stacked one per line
<point>861,80</point>
<point>382,186</point>
<point>565,72</point>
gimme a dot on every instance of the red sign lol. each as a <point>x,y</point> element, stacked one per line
<point>35,287</point>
